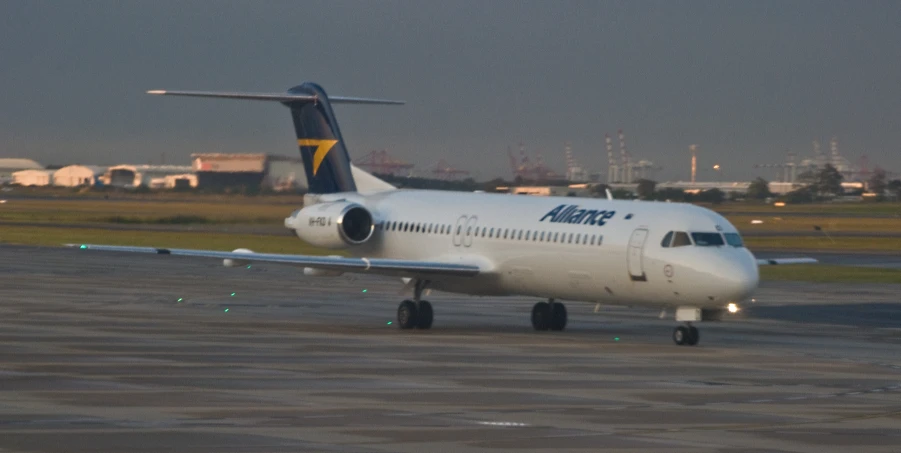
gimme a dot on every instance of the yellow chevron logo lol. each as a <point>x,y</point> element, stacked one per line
<point>322,149</point>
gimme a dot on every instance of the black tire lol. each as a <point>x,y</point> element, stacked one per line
<point>558,317</point>
<point>681,335</point>
<point>424,315</point>
<point>541,316</point>
<point>694,336</point>
<point>407,316</point>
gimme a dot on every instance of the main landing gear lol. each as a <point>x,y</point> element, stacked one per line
<point>549,315</point>
<point>686,335</point>
<point>416,313</point>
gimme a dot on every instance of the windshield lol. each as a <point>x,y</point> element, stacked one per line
<point>734,239</point>
<point>707,239</point>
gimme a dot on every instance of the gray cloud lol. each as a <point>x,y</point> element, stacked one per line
<point>744,80</point>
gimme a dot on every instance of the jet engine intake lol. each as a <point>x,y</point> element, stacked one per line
<point>333,225</point>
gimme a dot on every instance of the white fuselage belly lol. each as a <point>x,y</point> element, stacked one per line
<point>620,268</point>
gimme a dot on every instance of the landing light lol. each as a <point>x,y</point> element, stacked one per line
<point>733,308</point>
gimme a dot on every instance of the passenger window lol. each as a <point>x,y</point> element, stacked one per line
<point>666,240</point>
<point>680,239</point>
<point>600,239</point>
<point>555,236</point>
<point>542,236</point>
<point>491,233</point>
<point>570,238</point>
<point>592,239</point>
<point>468,230</point>
<point>459,229</point>
<point>505,232</point>
<point>519,235</point>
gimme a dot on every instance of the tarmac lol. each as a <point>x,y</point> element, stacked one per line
<point>103,352</point>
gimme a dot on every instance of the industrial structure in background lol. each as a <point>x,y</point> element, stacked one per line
<point>379,162</point>
<point>524,169</point>
<point>626,170</point>
<point>445,172</point>
<point>575,172</point>
<point>791,168</point>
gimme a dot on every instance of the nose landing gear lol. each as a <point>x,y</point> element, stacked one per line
<point>687,335</point>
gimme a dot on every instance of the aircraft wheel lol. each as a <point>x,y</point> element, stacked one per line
<point>541,316</point>
<point>694,336</point>
<point>558,317</point>
<point>407,316</point>
<point>424,320</point>
<point>681,335</point>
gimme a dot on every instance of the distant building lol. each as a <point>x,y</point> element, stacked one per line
<point>32,177</point>
<point>185,181</point>
<point>140,175</point>
<point>8,166</point>
<point>573,190</point>
<point>79,175</point>
<point>248,171</point>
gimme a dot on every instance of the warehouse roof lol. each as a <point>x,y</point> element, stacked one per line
<point>19,164</point>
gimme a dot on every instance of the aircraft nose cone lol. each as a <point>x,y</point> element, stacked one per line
<point>741,278</point>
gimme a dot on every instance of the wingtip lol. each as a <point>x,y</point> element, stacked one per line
<point>156,91</point>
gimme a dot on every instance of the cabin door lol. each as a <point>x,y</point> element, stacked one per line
<point>635,254</point>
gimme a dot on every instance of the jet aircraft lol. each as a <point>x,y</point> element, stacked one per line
<point>606,251</point>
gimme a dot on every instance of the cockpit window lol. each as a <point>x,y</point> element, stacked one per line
<point>707,239</point>
<point>666,239</point>
<point>734,239</point>
<point>680,239</point>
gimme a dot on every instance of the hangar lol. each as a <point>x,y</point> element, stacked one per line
<point>8,166</point>
<point>248,171</point>
<point>78,175</point>
<point>32,177</point>
<point>138,175</point>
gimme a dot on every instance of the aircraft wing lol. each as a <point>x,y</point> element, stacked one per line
<point>380,266</point>
<point>776,261</point>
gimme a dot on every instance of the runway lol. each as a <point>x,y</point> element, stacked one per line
<point>105,352</point>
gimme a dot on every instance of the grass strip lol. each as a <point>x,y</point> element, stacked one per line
<point>56,236</point>
<point>823,244</point>
<point>827,273</point>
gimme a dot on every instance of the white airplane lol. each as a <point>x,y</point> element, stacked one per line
<point>593,250</point>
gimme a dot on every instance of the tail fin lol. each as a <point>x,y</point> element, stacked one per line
<point>325,158</point>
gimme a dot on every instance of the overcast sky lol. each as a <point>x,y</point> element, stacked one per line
<point>744,80</point>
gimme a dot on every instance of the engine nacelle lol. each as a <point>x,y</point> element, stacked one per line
<point>333,225</point>
<point>231,262</point>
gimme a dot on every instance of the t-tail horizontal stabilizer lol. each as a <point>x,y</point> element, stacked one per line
<point>325,158</point>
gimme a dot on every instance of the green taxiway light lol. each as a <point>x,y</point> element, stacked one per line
<point>365,290</point>
<point>389,323</point>
<point>180,299</point>
<point>226,310</point>
<point>248,266</point>
<point>615,338</point>
<point>83,247</point>
<point>233,294</point>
